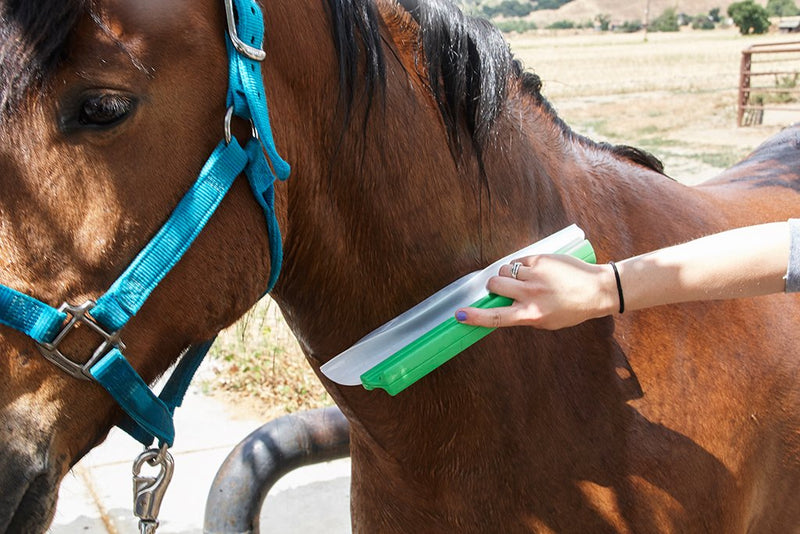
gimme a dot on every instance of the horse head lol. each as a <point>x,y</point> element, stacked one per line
<point>109,111</point>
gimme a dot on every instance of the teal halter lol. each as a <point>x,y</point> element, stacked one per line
<point>150,416</point>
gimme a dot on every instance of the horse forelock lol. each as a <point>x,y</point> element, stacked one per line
<point>33,41</point>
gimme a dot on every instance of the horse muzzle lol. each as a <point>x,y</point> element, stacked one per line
<point>28,487</point>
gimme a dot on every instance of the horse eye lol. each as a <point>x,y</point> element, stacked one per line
<point>104,110</point>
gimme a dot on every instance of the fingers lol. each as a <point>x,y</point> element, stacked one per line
<point>528,289</point>
<point>506,286</point>
<point>508,283</point>
<point>501,316</point>
<point>508,269</point>
<point>524,267</point>
<point>490,317</point>
<point>549,291</point>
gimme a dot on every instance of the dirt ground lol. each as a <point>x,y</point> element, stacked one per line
<point>674,95</point>
<point>695,136</point>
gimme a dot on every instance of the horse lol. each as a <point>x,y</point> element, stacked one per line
<point>421,150</point>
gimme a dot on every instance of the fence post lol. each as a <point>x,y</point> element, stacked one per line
<point>744,84</point>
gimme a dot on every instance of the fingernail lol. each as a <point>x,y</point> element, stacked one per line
<point>461,316</point>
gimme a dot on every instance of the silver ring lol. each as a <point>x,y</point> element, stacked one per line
<point>229,119</point>
<point>515,269</point>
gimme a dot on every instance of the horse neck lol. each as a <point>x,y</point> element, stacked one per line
<point>397,216</point>
<point>377,219</point>
<point>384,199</point>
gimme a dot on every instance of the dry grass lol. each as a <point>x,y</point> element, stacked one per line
<point>257,366</point>
<point>674,95</point>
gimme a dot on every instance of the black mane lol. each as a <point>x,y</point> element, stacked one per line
<point>468,63</point>
<point>33,41</point>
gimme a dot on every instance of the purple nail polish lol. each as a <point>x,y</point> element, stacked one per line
<point>461,316</point>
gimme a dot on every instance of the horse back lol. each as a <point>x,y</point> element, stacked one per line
<point>767,181</point>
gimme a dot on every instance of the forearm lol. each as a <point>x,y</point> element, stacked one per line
<point>553,291</point>
<point>744,262</point>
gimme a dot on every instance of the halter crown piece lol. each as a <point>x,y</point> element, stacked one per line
<point>150,416</point>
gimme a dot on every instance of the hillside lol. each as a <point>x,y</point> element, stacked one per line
<point>622,10</point>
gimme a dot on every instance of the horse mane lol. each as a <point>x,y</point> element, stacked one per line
<point>33,41</point>
<point>468,63</point>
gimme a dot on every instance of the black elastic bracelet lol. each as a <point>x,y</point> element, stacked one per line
<point>619,287</point>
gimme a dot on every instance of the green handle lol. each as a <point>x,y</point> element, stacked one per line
<point>443,342</point>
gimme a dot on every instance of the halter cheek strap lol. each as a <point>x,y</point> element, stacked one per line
<point>130,291</point>
<point>150,416</point>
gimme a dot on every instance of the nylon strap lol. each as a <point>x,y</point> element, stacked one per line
<point>29,315</point>
<point>148,415</point>
<point>246,83</point>
<point>125,385</point>
<point>257,172</point>
<point>248,98</point>
<point>127,295</point>
<point>171,397</point>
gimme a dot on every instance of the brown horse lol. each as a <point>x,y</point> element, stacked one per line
<point>420,152</point>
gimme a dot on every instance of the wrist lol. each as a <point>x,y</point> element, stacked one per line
<point>609,292</point>
<point>618,285</point>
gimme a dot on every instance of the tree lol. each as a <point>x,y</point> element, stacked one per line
<point>603,21</point>
<point>782,8</point>
<point>551,4</point>
<point>703,22</point>
<point>629,26</point>
<point>714,14</point>
<point>665,22</point>
<point>509,9</point>
<point>749,16</point>
<point>561,25</point>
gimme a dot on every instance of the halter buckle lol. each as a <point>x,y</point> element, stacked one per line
<point>79,315</point>
<point>256,54</point>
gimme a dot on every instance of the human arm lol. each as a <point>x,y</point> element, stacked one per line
<point>557,291</point>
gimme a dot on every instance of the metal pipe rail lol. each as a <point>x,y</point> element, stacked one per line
<point>746,75</point>
<point>252,468</point>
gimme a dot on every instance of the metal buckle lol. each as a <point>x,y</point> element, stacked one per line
<point>79,315</point>
<point>246,50</point>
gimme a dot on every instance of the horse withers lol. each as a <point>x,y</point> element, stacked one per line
<point>420,151</point>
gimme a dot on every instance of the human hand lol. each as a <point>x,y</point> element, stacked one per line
<point>549,292</point>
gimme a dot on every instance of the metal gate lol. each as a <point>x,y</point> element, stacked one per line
<point>769,79</point>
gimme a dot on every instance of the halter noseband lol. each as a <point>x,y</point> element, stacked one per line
<point>150,416</point>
